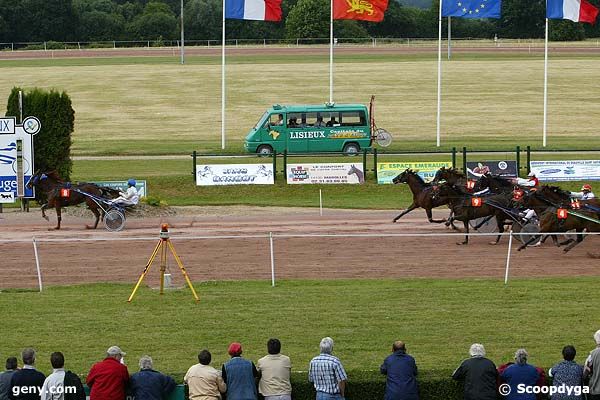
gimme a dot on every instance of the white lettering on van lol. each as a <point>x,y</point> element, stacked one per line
<point>307,135</point>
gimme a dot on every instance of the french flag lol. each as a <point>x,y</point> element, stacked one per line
<point>575,10</point>
<point>258,10</point>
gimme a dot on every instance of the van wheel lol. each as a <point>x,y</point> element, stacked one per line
<point>351,149</point>
<point>264,150</point>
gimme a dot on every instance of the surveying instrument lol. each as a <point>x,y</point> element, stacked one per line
<point>163,243</point>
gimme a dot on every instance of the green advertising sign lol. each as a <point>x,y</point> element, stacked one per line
<point>387,171</point>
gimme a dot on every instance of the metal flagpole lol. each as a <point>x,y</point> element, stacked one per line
<point>331,53</point>
<point>439,81</point>
<point>223,82</point>
<point>449,37</point>
<point>182,39</point>
<point>545,86</point>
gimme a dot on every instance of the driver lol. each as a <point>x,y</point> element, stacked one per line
<point>532,181</point>
<point>585,194</point>
<point>130,197</point>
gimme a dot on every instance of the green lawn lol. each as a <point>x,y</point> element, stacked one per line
<point>156,106</point>
<point>438,319</point>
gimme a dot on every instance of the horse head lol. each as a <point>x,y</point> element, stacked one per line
<point>36,179</point>
<point>403,177</point>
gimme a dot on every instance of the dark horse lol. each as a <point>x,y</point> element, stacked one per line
<point>547,200</point>
<point>424,195</point>
<point>452,176</point>
<point>51,184</point>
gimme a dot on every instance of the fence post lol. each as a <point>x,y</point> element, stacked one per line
<point>37,264</point>
<point>454,157</point>
<point>194,163</point>
<point>272,259</point>
<point>365,163</point>
<point>45,47</point>
<point>510,238</point>
<point>274,166</point>
<point>375,163</point>
<point>285,163</point>
<point>518,160</point>
<point>528,159</point>
<point>464,157</point>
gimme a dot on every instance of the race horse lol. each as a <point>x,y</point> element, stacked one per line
<point>424,195</point>
<point>547,201</point>
<point>51,184</point>
<point>454,177</point>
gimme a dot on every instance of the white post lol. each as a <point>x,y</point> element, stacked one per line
<point>449,37</point>
<point>510,238</point>
<point>182,37</point>
<point>320,202</point>
<point>331,52</point>
<point>37,264</point>
<point>223,83</point>
<point>545,85</point>
<point>272,259</point>
<point>439,81</point>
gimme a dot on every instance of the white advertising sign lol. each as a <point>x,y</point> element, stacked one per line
<point>325,173</point>
<point>570,170</point>
<point>16,156</point>
<point>234,174</point>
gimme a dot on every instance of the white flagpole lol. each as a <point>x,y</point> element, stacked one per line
<point>331,53</point>
<point>182,37</point>
<point>449,37</point>
<point>545,86</point>
<point>439,81</point>
<point>223,82</point>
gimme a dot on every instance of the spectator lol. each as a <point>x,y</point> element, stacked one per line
<point>274,370</point>
<point>401,372</point>
<point>149,384</point>
<point>327,374</point>
<point>53,388</point>
<point>24,382</point>
<point>479,375</point>
<point>592,370</point>
<point>520,373</point>
<point>204,382</point>
<point>108,379</point>
<point>332,122</point>
<point>320,122</point>
<point>240,375</point>
<point>5,377</point>
<point>279,120</point>
<point>567,373</point>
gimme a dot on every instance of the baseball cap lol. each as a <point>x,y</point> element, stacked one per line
<point>531,174</point>
<point>235,349</point>
<point>586,187</point>
<point>115,351</point>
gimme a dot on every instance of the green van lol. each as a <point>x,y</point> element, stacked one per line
<point>312,128</point>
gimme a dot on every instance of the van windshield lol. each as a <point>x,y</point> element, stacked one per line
<point>261,121</point>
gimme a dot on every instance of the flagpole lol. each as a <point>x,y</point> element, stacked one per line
<point>449,37</point>
<point>331,53</point>
<point>223,82</point>
<point>545,86</point>
<point>439,81</point>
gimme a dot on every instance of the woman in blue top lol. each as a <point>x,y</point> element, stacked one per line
<point>520,376</point>
<point>565,374</point>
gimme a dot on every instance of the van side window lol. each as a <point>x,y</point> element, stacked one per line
<point>353,118</point>
<point>332,119</point>
<point>294,120</point>
<point>314,119</point>
<point>277,119</point>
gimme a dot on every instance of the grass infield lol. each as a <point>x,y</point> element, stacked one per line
<point>438,319</point>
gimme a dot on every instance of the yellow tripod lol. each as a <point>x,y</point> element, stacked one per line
<point>161,246</point>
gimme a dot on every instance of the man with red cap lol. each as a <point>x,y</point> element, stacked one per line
<point>240,375</point>
<point>585,194</point>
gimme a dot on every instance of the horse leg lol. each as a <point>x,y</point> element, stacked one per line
<point>524,245</point>
<point>96,214</point>
<point>409,209</point>
<point>43,208</point>
<point>430,217</point>
<point>58,217</point>
<point>466,241</point>
<point>575,242</point>
<point>500,222</point>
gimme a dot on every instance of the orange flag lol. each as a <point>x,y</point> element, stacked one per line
<point>366,10</point>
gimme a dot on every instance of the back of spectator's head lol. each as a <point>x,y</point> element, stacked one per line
<point>569,353</point>
<point>57,360</point>
<point>11,363</point>
<point>204,357</point>
<point>597,337</point>
<point>477,350</point>
<point>235,349</point>
<point>326,345</point>
<point>273,346</point>
<point>521,356</point>
<point>145,362</point>
<point>398,345</point>
<point>28,356</point>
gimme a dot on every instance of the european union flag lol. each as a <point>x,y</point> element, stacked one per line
<point>471,8</point>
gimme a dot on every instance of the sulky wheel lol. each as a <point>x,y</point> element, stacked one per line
<point>114,220</point>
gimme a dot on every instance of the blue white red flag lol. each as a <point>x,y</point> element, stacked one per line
<point>258,10</point>
<point>574,10</point>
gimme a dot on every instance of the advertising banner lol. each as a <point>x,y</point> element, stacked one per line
<point>387,171</point>
<point>16,156</point>
<point>570,170</point>
<point>504,168</point>
<point>234,174</point>
<point>325,173</point>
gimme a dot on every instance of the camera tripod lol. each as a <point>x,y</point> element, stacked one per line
<point>163,243</point>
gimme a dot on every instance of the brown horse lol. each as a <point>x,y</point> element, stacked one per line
<point>51,184</point>
<point>454,177</point>
<point>424,195</point>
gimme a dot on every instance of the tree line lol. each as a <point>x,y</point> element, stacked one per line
<point>103,20</point>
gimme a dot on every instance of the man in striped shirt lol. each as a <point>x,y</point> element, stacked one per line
<point>327,373</point>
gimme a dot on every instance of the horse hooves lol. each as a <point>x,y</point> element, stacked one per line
<point>461,243</point>
<point>90,227</point>
<point>46,217</point>
<point>493,243</point>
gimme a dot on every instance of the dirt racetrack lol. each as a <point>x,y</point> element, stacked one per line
<point>76,255</point>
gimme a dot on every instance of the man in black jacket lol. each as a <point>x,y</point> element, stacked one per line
<point>26,383</point>
<point>479,375</point>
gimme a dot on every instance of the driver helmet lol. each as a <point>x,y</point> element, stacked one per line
<point>586,188</point>
<point>131,182</point>
<point>531,174</point>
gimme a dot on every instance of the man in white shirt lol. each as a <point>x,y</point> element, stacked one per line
<point>204,382</point>
<point>275,371</point>
<point>585,194</point>
<point>54,388</point>
<point>129,198</point>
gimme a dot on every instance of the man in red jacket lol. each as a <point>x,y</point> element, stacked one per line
<point>108,379</point>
